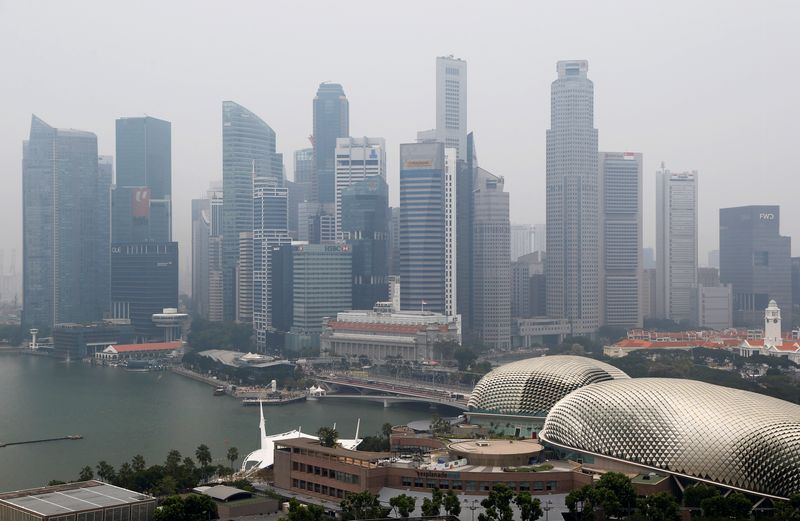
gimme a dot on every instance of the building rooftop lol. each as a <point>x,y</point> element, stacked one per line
<point>72,497</point>
<point>496,447</point>
<point>153,346</point>
<point>313,444</point>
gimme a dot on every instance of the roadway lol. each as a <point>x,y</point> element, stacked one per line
<point>422,392</point>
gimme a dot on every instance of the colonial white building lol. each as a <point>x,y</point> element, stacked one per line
<point>773,343</point>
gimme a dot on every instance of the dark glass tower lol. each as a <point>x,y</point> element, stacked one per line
<point>465,179</point>
<point>142,200</point>
<point>65,201</point>
<point>248,151</point>
<point>365,226</point>
<point>331,121</point>
<point>756,260</point>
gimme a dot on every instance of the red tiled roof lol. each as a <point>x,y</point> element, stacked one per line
<point>380,328</point>
<point>153,346</point>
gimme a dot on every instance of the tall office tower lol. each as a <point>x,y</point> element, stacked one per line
<point>297,195</point>
<point>520,290</point>
<point>621,238</point>
<point>244,279</point>
<point>676,243</point>
<point>573,246</point>
<point>356,160</point>
<point>316,223</point>
<point>144,281</point>
<point>540,237</point>
<point>796,288</point>
<point>450,233</point>
<point>451,105</point>
<point>394,241</point>
<point>713,259</point>
<point>491,241</point>
<point>304,167</point>
<point>756,260</point>
<point>648,258</point>
<point>270,229</point>
<point>281,291</point>
<point>201,234</point>
<point>331,121</point>
<point>321,287</point>
<point>142,195</point>
<point>649,294</point>
<point>215,272</point>
<point>422,226</point>
<point>64,227</point>
<point>365,226</point>
<point>465,181</point>
<point>300,188</point>
<point>521,240</point>
<point>248,151</point>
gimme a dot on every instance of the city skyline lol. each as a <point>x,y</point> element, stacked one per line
<point>640,104</point>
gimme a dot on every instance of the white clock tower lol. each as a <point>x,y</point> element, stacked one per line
<point>772,325</point>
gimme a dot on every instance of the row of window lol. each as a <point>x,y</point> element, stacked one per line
<point>319,489</point>
<point>344,477</point>
<point>475,486</point>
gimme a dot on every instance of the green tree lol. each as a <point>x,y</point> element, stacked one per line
<point>404,504</point>
<point>530,508</point>
<point>86,474</point>
<point>199,507</point>
<point>328,436</point>
<point>451,504</point>
<point>439,426</point>
<point>137,463</point>
<point>362,505</point>
<point>497,505</point>
<point>171,509</point>
<point>788,510</point>
<point>172,462</point>
<point>105,471</point>
<point>386,430</point>
<point>300,512</point>
<point>166,486</point>
<point>433,506</point>
<point>695,494</point>
<point>622,488</point>
<point>733,506</point>
<point>659,507</point>
<point>125,475</point>
<point>465,356</point>
<point>233,455</point>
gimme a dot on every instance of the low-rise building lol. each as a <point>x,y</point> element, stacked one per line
<point>84,501</point>
<point>406,335</point>
<point>78,341</point>
<point>149,351</point>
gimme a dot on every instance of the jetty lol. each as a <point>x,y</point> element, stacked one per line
<point>71,437</point>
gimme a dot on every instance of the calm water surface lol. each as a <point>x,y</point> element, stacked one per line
<point>121,413</point>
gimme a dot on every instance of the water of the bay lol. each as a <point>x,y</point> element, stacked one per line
<point>121,414</point>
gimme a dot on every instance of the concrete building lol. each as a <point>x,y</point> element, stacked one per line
<point>364,226</point>
<point>573,234</point>
<point>201,234</point>
<point>491,284</point>
<point>520,290</point>
<point>708,277</point>
<point>521,240</point>
<point>248,152</point>
<point>144,280</point>
<point>316,223</point>
<point>540,237</point>
<point>451,106</point>
<point>82,500</point>
<point>621,238</point>
<point>357,159</point>
<point>321,287</point>
<point>215,268</point>
<point>405,335</point>
<point>676,243</point>
<point>712,306</point>
<point>465,182</point>
<point>270,229</point>
<point>450,233</point>
<point>755,259</point>
<point>65,214</point>
<point>147,351</point>
<point>394,241</point>
<point>243,277</point>
<point>78,341</point>
<point>331,121</point>
<point>649,294</point>
<point>422,226</point>
<point>713,259</point>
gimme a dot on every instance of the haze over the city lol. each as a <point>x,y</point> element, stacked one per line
<point>708,86</point>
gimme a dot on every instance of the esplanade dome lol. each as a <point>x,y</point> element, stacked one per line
<point>721,435</point>
<point>532,386</point>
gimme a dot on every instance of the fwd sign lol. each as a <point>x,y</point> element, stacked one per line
<point>766,216</point>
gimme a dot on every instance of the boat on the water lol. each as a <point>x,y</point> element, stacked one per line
<point>219,391</point>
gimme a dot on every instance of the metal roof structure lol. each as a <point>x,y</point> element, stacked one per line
<point>733,438</point>
<point>225,493</point>
<point>532,386</point>
<point>72,497</point>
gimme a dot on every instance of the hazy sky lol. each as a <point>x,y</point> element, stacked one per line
<point>707,86</point>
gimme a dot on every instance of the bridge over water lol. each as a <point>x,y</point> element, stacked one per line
<point>389,391</point>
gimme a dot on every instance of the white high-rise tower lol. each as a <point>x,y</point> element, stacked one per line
<point>572,265</point>
<point>451,105</point>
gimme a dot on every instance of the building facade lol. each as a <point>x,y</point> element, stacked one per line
<point>621,238</point>
<point>573,242</point>
<point>756,260</point>
<point>66,239</point>
<point>356,159</point>
<point>243,277</point>
<point>676,244</point>
<point>331,121</point>
<point>451,105</point>
<point>144,281</point>
<point>521,240</point>
<point>248,151</point>
<point>201,234</point>
<point>465,182</point>
<point>491,284</point>
<point>422,226</point>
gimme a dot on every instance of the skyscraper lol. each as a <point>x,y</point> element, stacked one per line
<point>451,105</point>
<point>492,261</point>
<point>270,229</point>
<point>465,181</point>
<point>573,249</point>
<point>422,226</point>
<point>365,227</point>
<point>356,160</point>
<point>215,272</point>
<point>521,240</point>
<point>142,197</point>
<point>676,244</point>
<point>66,243</point>
<point>756,260</point>
<point>621,236</point>
<point>450,232</point>
<point>248,151</point>
<point>201,234</point>
<point>331,121</point>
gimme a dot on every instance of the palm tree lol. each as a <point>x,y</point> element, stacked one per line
<point>233,455</point>
<point>137,463</point>
<point>86,474</point>
<point>203,455</point>
<point>105,471</point>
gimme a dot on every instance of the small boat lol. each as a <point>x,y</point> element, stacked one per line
<point>75,437</point>
<point>219,391</point>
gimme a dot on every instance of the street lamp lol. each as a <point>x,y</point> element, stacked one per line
<point>472,506</point>
<point>579,508</point>
<point>548,505</point>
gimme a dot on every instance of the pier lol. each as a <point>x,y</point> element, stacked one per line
<point>72,437</point>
